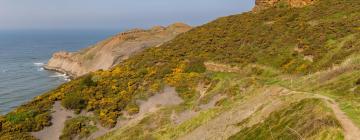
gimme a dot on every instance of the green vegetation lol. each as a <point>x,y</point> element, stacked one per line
<point>270,45</point>
<point>339,83</point>
<point>307,119</point>
<point>73,101</point>
<point>160,125</point>
<point>80,126</point>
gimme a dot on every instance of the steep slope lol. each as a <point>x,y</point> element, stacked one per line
<point>248,76</point>
<point>113,50</point>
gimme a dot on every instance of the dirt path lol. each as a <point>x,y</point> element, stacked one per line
<point>351,131</point>
<point>167,97</point>
<point>224,126</point>
<point>59,116</point>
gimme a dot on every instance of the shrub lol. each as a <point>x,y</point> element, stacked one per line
<point>132,108</point>
<point>186,93</point>
<point>195,65</point>
<point>80,126</point>
<point>19,117</point>
<point>88,81</point>
<point>73,101</point>
<point>357,82</point>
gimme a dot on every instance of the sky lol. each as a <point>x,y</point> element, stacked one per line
<point>113,14</point>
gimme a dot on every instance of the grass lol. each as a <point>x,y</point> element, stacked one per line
<point>165,129</point>
<point>307,119</point>
<point>310,117</point>
<point>188,126</point>
<point>340,90</point>
<point>338,86</point>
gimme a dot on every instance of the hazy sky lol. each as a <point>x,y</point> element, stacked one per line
<point>112,14</point>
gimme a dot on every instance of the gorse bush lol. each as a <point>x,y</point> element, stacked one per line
<point>195,65</point>
<point>88,81</point>
<point>73,101</point>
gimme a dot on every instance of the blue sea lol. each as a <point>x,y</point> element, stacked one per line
<point>22,55</point>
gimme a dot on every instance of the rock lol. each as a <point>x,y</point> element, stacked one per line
<point>113,50</point>
<point>264,4</point>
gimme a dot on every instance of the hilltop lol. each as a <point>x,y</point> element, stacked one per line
<point>284,72</point>
<point>264,4</point>
<point>113,50</point>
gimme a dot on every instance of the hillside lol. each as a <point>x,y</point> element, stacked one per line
<point>283,72</point>
<point>113,50</point>
<point>264,4</point>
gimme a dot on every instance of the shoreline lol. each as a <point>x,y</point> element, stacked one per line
<point>67,73</point>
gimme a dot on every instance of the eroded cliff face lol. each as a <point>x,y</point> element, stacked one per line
<point>264,4</point>
<point>112,51</point>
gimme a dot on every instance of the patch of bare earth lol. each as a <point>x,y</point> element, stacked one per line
<point>183,116</point>
<point>179,118</point>
<point>202,89</point>
<point>212,102</point>
<point>168,97</point>
<point>59,116</point>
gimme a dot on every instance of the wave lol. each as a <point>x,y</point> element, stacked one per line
<point>41,69</point>
<point>39,64</point>
<point>60,75</point>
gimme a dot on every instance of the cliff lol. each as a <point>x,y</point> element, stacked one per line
<point>113,50</point>
<point>264,4</point>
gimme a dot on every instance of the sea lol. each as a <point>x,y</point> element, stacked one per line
<point>22,55</point>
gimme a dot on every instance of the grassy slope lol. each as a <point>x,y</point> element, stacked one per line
<point>307,119</point>
<point>339,83</point>
<point>327,32</point>
<point>166,129</point>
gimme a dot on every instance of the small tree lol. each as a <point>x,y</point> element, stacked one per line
<point>195,65</point>
<point>88,81</point>
<point>74,101</point>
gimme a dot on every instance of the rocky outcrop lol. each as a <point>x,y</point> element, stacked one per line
<point>264,4</point>
<point>112,51</point>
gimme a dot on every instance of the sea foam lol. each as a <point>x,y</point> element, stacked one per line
<point>39,64</point>
<point>60,75</point>
<point>41,69</point>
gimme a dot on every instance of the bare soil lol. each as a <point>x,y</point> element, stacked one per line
<point>59,116</point>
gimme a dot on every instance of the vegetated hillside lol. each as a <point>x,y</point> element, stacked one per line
<point>287,60</point>
<point>264,4</point>
<point>113,50</point>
